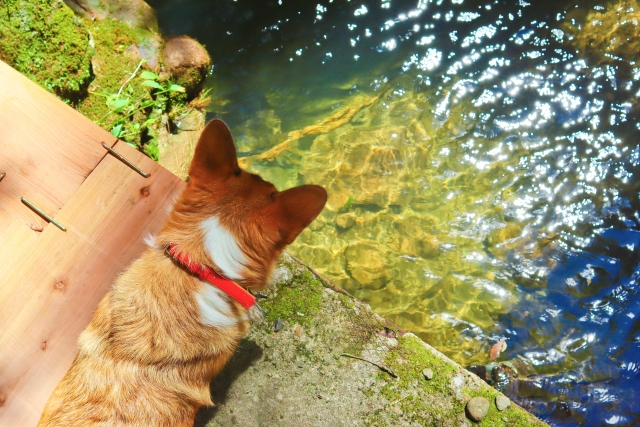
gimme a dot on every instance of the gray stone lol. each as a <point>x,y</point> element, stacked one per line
<point>477,408</point>
<point>427,373</point>
<point>277,326</point>
<point>502,402</point>
<point>281,275</point>
<point>135,13</point>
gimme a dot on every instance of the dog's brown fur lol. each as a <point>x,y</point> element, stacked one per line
<point>146,358</point>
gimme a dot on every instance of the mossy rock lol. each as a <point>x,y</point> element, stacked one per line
<point>44,40</point>
<point>188,62</point>
<point>134,13</point>
<point>606,35</point>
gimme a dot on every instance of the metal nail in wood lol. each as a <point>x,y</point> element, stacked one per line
<point>125,161</point>
<point>2,175</point>
<point>42,214</point>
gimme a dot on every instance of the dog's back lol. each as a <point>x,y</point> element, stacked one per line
<point>158,337</point>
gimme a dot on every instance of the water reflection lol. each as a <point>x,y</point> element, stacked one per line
<point>480,161</point>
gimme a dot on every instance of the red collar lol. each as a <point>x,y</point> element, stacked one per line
<point>207,274</point>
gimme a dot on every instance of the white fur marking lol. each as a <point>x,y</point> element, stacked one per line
<point>214,309</point>
<point>223,248</point>
<point>149,240</point>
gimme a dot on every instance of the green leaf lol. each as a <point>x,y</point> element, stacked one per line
<point>117,105</point>
<point>153,84</point>
<point>117,130</point>
<point>148,75</point>
<point>176,88</point>
<point>149,122</point>
<point>347,204</point>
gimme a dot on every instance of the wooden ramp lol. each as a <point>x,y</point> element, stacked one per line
<point>52,280</point>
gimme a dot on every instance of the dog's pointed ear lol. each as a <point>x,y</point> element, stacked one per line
<point>297,207</point>
<point>215,154</point>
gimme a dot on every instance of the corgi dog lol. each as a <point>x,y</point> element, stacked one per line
<point>167,327</point>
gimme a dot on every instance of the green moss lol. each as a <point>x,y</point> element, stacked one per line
<point>348,302</point>
<point>410,357</point>
<point>360,329</point>
<point>43,40</point>
<point>410,391</point>
<point>513,415</point>
<point>114,63</point>
<point>296,301</point>
<point>90,64</point>
<point>189,78</point>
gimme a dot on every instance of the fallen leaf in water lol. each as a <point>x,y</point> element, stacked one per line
<point>500,346</point>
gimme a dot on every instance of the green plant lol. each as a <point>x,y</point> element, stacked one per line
<point>134,115</point>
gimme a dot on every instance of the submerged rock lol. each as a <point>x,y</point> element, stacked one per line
<point>503,375</point>
<point>606,34</point>
<point>346,220</point>
<point>366,264</point>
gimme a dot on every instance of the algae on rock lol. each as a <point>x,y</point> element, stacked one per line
<point>44,40</point>
<point>606,34</point>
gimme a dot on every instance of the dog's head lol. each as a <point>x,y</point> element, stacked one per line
<point>240,221</point>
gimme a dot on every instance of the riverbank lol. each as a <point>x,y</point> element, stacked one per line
<point>334,362</point>
<point>109,63</point>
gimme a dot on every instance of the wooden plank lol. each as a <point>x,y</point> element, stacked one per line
<point>16,242</point>
<point>56,290</point>
<point>47,148</point>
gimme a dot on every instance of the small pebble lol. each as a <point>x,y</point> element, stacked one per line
<point>298,331</point>
<point>502,402</point>
<point>477,408</point>
<point>277,326</point>
<point>427,373</point>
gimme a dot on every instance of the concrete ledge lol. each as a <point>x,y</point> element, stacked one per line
<point>300,377</point>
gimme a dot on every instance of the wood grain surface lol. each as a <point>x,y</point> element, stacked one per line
<point>47,149</point>
<point>51,282</point>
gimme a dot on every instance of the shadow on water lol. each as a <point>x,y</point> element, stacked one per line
<point>246,354</point>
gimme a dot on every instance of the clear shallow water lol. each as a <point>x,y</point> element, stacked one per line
<point>481,160</point>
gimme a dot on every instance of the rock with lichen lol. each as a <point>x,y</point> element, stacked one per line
<point>134,13</point>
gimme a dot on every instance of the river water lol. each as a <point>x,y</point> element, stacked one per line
<point>481,160</point>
